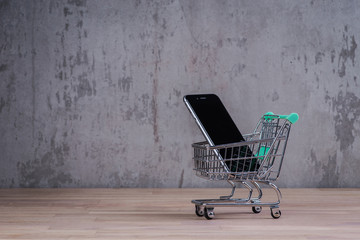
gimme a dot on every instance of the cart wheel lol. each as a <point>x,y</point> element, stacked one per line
<point>199,211</point>
<point>256,209</point>
<point>209,213</point>
<point>275,213</point>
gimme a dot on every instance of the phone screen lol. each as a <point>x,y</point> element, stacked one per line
<point>219,128</point>
<point>214,117</point>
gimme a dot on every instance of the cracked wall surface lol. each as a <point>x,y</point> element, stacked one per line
<point>91,91</point>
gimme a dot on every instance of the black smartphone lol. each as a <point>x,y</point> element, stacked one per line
<point>218,128</point>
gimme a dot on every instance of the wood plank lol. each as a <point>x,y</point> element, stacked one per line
<point>169,214</point>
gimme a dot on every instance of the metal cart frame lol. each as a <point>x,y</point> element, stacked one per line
<point>254,162</point>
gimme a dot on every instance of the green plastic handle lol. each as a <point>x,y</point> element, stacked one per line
<point>292,117</point>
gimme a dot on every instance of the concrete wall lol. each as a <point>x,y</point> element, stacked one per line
<point>91,91</point>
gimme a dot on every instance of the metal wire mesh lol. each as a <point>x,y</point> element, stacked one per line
<point>258,158</point>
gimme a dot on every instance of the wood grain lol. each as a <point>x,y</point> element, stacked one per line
<point>169,214</point>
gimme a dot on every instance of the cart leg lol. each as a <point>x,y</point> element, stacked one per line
<point>256,200</point>
<point>277,190</point>
<point>275,210</point>
<point>258,188</point>
<point>249,188</point>
<point>232,191</point>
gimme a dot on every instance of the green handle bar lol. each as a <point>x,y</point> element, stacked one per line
<point>292,117</point>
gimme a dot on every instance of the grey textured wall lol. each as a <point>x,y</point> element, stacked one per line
<point>91,91</point>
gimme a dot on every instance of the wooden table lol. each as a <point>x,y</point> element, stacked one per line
<point>169,214</point>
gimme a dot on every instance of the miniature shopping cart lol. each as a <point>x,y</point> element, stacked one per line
<point>254,162</point>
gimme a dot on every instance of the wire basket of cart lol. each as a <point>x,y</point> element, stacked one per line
<point>254,162</point>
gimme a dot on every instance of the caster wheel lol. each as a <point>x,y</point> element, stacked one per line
<point>256,209</point>
<point>275,213</point>
<point>209,213</point>
<point>199,211</point>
